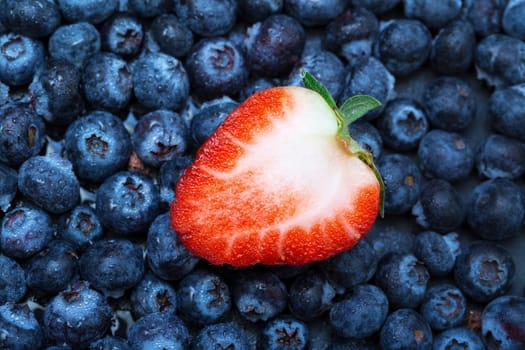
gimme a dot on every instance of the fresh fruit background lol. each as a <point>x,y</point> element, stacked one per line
<point>103,104</point>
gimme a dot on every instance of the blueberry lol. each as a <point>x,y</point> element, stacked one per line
<point>8,186</point>
<point>505,109</point>
<point>496,209</point>
<point>166,256</point>
<point>500,156</point>
<point>405,329</point>
<point>30,18</point>
<point>172,35</point>
<point>403,45</point>
<point>377,6</point>
<point>80,227</point>
<point>502,323</point>
<point>259,296</point>
<point>402,179</point>
<point>284,333</point>
<point>26,230</point>
<point>500,60</point>
<point>484,270</point>
<point>445,155</point>
<point>310,295</point>
<point>209,116</point>
<point>20,58</point>
<point>169,174</point>
<point>4,93</point>
<point>74,42</point>
<point>453,48</point>
<point>12,280</point>
<point>110,342</point>
<point>390,238</point>
<point>92,11</point>
<point>403,278</point>
<point>444,306</point>
<point>19,328</point>
<point>314,13</point>
<point>352,34</point>
<point>450,103</point>
<point>439,207</point>
<point>511,19</point>
<point>160,136</point>
<point>457,336</point>
<point>159,331</point>
<point>220,336</point>
<point>107,82</point>
<point>367,136</point>
<point>98,145</point>
<point>340,343</point>
<point>77,316</point>
<point>56,92</point>
<point>254,85</point>
<point>210,18</point>
<point>148,8</point>
<point>151,295</point>
<point>216,67</point>
<point>433,14</point>
<point>257,10</point>
<point>123,35</point>
<point>53,269</point>
<point>402,124</point>
<point>160,81</point>
<point>288,272</point>
<point>361,313</point>
<point>276,46</point>
<point>438,252</point>
<point>485,16</point>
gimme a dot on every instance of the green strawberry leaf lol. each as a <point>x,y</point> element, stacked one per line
<point>357,106</point>
<point>311,83</point>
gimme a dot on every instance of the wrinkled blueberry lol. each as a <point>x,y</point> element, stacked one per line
<point>437,251</point>
<point>500,156</point>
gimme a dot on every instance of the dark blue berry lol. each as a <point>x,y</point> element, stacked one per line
<point>506,111</point>
<point>367,136</point>
<point>210,18</point>
<point>12,280</point>
<point>167,257</point>
<point>453,48</point>
<point>485,16</point>
<point>169,174</point>
<point>438,252</point>
<point>220,336</point>
<point>8,186</point>
<point>446,155</point>
<point>376,6</point>
<point>457,337</point>
<point>110,342</point>
<point>149,8</point>
<point>50,182</point>
<point>158,331</point>
<point>433,13</point>
<point>402,179</point>
<point>276,46</point>
<point>35,19</point>
<point>444,306</point>
<point>314,13</point>
<point>92,11</point>
<point>502,323</point>
<point>386,238</point>
<point>511,20</point>
<point>123,35</point>
<point>310,295</point>
<point>254,85</point>
<point>209,116</point>
<point>171,35</point>
<point>405,329</point>
<point>403,45</point>
<point>77,316</point>
<point>74,42</point>
<point>19,328</point>
<point>496,209</point>
<point>160,81</point>
<point>450,103</point>
<point>361,313</point>
<point>26,230</point>
<point>257,10</point>
<point>284,333</point>
<point>20,58</point>
<point>501,156</point>
<point>484,270</point>
<point>81,227</point>
<point>340,343</point>
<point>151,295</point>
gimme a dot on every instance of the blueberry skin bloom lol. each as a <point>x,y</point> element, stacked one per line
<point>496,209</point>
<point>209,18</point>
<point>284,333</point>
<point>172,35</point>
<point>361,314</point>
<point>92,11</point>
<point>457,336</point>
<point>122,35</point>
<point>216,67</point>
<point>74,43</point>
<point>444,306</point>
<point>12,280</point>
<point>485,16</point>
<point>434,14</point>
<point>160,81</point>
<point>453,48</point>
<point>158,331</point>
<point>112,266</point>
<point>314,13</point>
<point>438,252</point>
<point>310,295</point>
<point>98,145</point>
<point>405,329</point>
<point>77,316</point>
<point>30,18</point>
<point>151,295</point>
<point>511,21</point>
<point>19,327</point>
<point>501,156</point>
<point>20,58</point>
<point>507,111</point>
<point>502,323</point>
<point>220,336</point>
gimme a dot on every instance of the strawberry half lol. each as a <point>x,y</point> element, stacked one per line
<point>279,181</point>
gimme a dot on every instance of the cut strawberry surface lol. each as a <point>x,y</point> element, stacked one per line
<point>276,183</point>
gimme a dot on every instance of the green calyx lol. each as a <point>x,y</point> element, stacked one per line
<point>351,110</point>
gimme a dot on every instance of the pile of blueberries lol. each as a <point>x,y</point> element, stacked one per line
<point>103,104</point>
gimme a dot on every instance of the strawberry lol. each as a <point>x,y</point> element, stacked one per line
<point>280,181</point>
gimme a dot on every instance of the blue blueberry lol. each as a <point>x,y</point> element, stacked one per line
<point>502,323</point>
<point>98,145</point>
<point>500,156</point>
<point>361,313</point>
<point>148,8</point>
<point>444,306</point>
<point>288,272</point>
<point>388,238</point>
<point>496,209</point>
<point>284,333</point>
<point>484,270</point>
<point>433,14</point>
<point>20,58</point>
<point>450,103</point>
<point>92,11</point>
<point>376,6</point>
<point>8,186</point>
<point>254,85</point>
<point>220,336</point>
<point>403,45</point>
<point>123,35</point>
<point>26,230</point>
<point>437,251</point>
<point>4,93</point>
<point>367,136</point>
<point>19,328</point>
<point>276,45</point>
<point>314,13</point>
<point>506,111</point>
<point>166,256</point>
<point>340,343</point>
<point>53,269</point>
<point>403,278</point>
<point>259,296</point>
<point>439,207</point>
<point>405,329</point>
<point>112,266</point>
<point>252,11</point>
<point>511,20</point>
<point>169,174</point>
<point>12,280</point>
<point>485,16</point>
<point>30,18</point>
<point>402,179</point>
<point>453,48</point>
<point>74,42</point>
<point>209,18</point>
<point>310,295</point>
<point>172,35</point>
<point>216,67</point>
<point>160,136</point>
<point>50,182</point>
<point>110,342</point>
<point>159,331</point>
<point>80,227</point>
<point>446,155</point>
<point>160,81</point>
<point>457,336</point>
<point>209,116</point>
<point>152,294</point>
<point>402,124</point>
